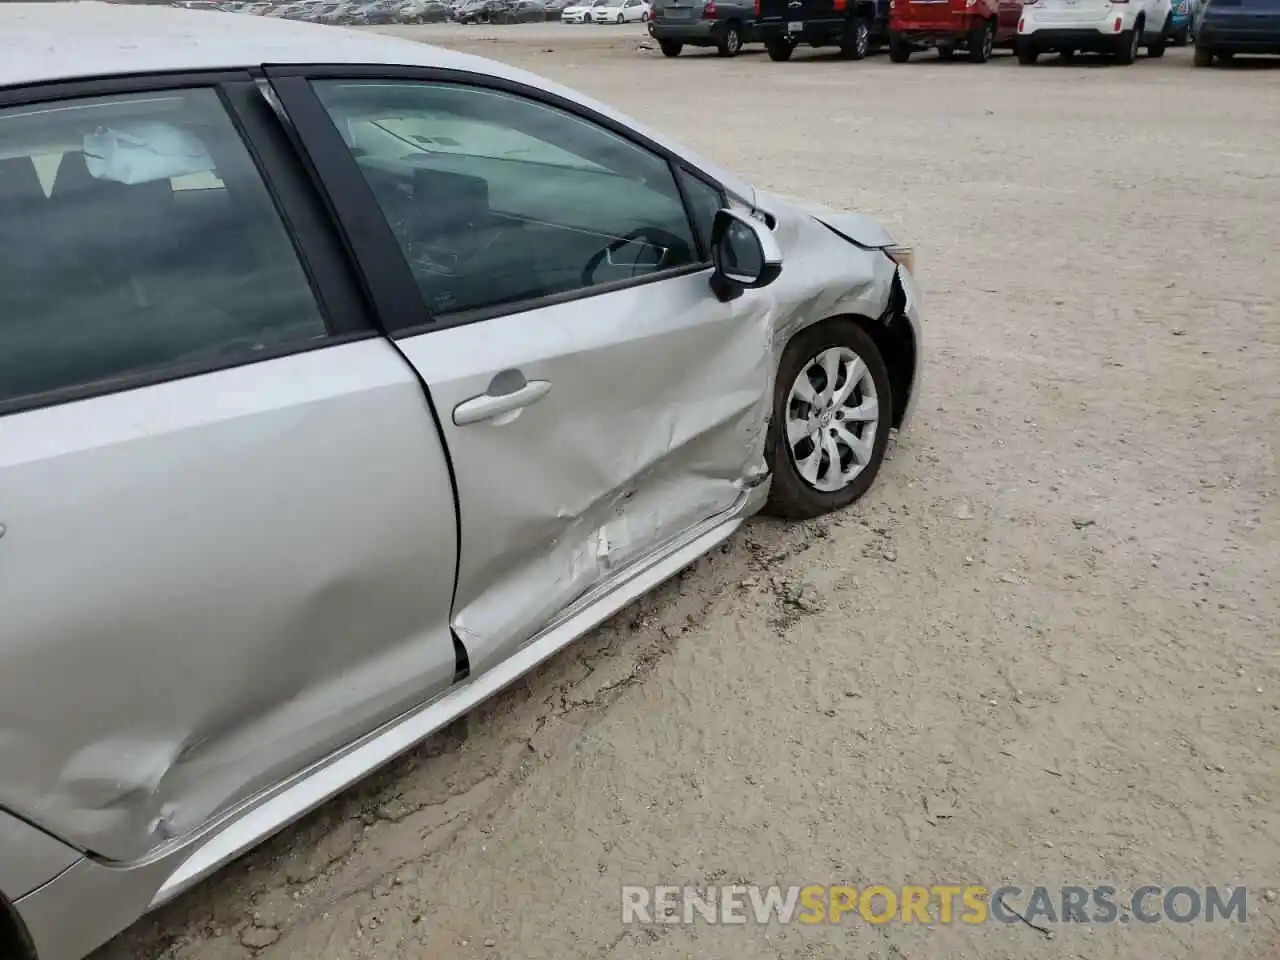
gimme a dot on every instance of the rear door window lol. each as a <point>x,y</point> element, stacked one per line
<point>137,236</point>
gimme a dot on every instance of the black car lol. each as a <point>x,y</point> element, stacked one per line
<point>857,27</point>
<point>725,26</point>
<point>1228,27</point>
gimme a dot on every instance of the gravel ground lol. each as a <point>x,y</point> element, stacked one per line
<point>1044,650</point>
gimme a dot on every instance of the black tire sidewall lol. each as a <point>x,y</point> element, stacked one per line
<point>978,52</point>
<point>779,50</point>
<point>790,496</point>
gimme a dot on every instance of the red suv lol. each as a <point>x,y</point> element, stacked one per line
<point>977,26</point>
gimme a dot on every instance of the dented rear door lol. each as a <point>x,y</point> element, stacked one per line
<point>227,530</point>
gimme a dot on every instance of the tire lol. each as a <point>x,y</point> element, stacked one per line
<point>670,48</point>
<point>899,49</point>
<point>792,496</point>
<point>857,46</point>
<point>1156,48</point>
<point>1027,52</point>
<point>1203,57</point>
<point>946,54</point>
<point>1181,38</point>
<point>1127,45</point>
<point>644,17</point>
<point>730,44</point>
<point>621,19</point>
<point>982,40</point>
<point>779,48</point>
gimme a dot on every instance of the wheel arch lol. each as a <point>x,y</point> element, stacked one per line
<point>15,942</point>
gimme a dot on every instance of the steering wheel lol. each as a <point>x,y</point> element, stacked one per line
<point>654,236</point>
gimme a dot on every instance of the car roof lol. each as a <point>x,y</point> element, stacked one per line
<point>68,40</point>
<point>49,42</point>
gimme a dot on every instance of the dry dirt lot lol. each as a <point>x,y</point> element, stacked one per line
<point>1044,650</point>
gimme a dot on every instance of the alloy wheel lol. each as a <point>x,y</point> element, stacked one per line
<point>832,416</point>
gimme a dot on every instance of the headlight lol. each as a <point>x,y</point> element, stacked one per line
<point>904,257</point>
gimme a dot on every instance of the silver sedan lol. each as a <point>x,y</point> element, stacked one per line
<point>338,393</point>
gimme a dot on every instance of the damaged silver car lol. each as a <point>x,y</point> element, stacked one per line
<point>343,380</point>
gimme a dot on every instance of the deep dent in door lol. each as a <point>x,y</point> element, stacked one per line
<point>698,444</point>
<point>176,633</point>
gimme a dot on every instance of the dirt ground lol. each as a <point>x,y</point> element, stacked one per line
<point>1044,650</point>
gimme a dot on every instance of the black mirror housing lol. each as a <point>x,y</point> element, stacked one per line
<point>745,254</point>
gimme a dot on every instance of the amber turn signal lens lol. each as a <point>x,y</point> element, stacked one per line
<point>904,257</point>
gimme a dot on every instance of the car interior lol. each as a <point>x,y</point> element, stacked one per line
<point>468,251</point>
<point>101,279</point>
<point>514,206</point>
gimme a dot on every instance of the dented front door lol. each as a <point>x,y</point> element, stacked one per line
<point>597,400</point>
<point>584,434</point>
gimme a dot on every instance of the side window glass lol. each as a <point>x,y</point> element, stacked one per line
<point>496,199</point>
<point>135,236</point>
<point>704,201</point>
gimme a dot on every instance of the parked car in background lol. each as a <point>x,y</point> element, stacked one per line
<point>1230,27</point>
<point>1181,24</point>
<point>324,11</point>
<point>301,10</point>
<point>975,27</point>
<point>327,495</point>
<point>554,9</point>
<point>423,11</point>
<point>1115,27</point>
<point>703,23</point>
<point>621,11</point>
<point>855,26</point>
<point>517,11</point>
<point>580,12</point>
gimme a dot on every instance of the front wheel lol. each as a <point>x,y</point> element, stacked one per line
<point>1027,52</point>
<point>779,48</point>
<point>730,44</point>
<point>832,409</point>
<point>621,19</point>
<point>670,48</point>
<point>1203,57</point>
<point>982,40</point>
<point>899,49</point>
<point>1181,38</point>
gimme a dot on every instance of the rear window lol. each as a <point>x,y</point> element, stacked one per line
<point>136,235</point>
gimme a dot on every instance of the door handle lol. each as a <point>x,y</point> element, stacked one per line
<point>502,407</point>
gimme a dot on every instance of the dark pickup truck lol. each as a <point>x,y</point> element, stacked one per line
<point>857,27</point>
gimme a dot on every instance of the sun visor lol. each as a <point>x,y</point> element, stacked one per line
<point>144,153</point>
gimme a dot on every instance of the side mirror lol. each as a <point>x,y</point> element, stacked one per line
<point>745,254</point>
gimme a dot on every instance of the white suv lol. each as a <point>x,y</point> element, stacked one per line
<point>1116,27</point>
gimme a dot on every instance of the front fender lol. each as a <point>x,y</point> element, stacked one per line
<point>860,229</point>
